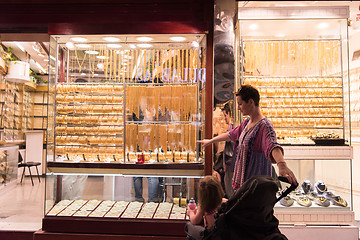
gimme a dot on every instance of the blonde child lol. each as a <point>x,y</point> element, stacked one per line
<point>210,194</point>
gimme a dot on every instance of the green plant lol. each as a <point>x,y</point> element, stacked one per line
<point>9,56</point>
<point>36,78</point>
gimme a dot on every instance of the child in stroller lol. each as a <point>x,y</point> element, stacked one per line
<point>210,194</point>
<point>247,215</point>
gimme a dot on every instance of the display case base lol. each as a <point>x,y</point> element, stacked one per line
<point>339,218</point>
<point>301,232</point>
<point>42,235</point>
<point>128,227</point>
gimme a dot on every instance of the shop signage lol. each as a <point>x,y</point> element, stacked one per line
<point>173,75</point>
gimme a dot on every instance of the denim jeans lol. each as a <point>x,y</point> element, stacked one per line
<point>153,189</point>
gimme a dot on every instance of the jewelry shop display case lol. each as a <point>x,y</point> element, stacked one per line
<point>298,60</point>
<point>124,112</point>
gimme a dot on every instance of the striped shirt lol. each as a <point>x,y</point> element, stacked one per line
<point>253,150</point>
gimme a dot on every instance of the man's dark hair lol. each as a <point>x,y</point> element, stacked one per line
<point>247,92</point>
<point>226,108</point>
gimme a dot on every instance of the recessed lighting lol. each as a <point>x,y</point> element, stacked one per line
<point>70,45</point>
<point>20,46</point>
<point>253,26</point>
<point>83,45</point>
<point>79,39</point>
<point>177,39</point>
<point>101,57</point>
<point>280,35</point>
<point>144,39</point>
<point>39,66</point>
<point>195,44</point>
<point>91,52</point>
<point>144,45</point>
<point>323,25</point>
<point>113,45</point>
<point>100,66</point>
<point>111,39</point>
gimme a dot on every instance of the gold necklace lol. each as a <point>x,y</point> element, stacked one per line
<point>77,60</point>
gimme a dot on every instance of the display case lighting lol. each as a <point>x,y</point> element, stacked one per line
<point>195,44</point>
<point>323,25</point>
<point>100,66</point>
<point>144,39</point>
<point>113,45</point>
<point>101,57</point>
<point>79,39</point>
<point>93,52</point>
<point>70,45</point>
<point>177,39</point>
<point>144,45</point>
<point>111,39</point>
<point>253,26</point>
<point>83,45</point>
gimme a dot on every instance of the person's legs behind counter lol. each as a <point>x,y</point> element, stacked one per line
<point>153,189</point>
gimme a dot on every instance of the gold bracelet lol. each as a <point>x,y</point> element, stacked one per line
<point>280,162</point>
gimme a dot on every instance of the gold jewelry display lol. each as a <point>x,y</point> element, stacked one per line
<point>78,61</point>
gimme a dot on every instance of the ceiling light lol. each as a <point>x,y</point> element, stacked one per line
<point>46,60</point>
<point>20,46</point>
<point>91,52</point>
<point>253,26</point>
<point>79,39</point>
<point>280,35</point>
<point>323,25</point>
<point>83,45</point>
<point>194,44</point>
<point>41,55</point>
<point>36,48</point>
<point>83,74</point>
<point>70,45</point>
<point>144,39</point>
<point>113,45</point>
<point>100,66</point>
<point>111,39</point>
<point>144,45</point>
<point>101,57</point>
<point>177,39</point>
<point>41,68</point>
<point>132,46</point>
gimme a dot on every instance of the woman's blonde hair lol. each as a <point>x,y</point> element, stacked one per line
<point>210,193</point>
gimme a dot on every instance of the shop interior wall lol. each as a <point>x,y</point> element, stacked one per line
<point>354,45</point>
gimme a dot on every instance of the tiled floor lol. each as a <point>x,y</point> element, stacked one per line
<point>21,205</point>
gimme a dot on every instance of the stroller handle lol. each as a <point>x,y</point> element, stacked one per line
<point>288,189</point>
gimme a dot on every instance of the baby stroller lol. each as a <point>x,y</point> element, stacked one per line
<point>247,215</point>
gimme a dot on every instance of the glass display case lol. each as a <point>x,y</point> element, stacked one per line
<point>124,112</point>
<point>297,61</point>
<point>300,76</point>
